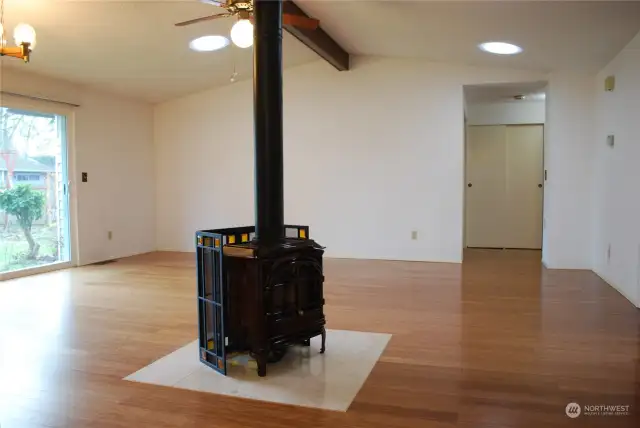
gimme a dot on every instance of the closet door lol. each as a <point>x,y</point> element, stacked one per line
<point>524,177</point>
<point>486,186</point>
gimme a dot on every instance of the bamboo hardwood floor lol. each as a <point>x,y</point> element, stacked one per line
<point>496,342</point>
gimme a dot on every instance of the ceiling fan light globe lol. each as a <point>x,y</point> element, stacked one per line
<point>242,33</point>
<point>25,33</point>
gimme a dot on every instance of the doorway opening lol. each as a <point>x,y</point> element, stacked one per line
<point>504,166</point>
<point>35,221</point>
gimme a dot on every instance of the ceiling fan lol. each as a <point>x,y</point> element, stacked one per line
<point>242,31</point>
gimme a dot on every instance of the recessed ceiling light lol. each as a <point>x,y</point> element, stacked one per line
<point>209,43</point>
<point>500,48</point>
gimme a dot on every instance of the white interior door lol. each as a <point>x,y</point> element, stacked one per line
<point>524,190</point>
<point>486,186</point>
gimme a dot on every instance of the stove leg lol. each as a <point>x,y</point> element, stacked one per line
<point>261,359</point>
<point>324,339</point>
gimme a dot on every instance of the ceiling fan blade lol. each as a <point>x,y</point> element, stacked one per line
<point>300,21</point>
<point>204,18</point>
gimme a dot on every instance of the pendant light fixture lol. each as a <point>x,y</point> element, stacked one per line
<point>24,37</point>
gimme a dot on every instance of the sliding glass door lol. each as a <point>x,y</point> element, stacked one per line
<point>35,221</point>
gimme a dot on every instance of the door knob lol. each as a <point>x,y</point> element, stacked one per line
<point>540,186</point>
<point>469,185</point>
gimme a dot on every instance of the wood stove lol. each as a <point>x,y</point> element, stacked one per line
<point>260,289</point>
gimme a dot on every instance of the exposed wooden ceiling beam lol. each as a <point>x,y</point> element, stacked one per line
<point>317,40</point>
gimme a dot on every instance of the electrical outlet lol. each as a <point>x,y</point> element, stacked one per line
<point>414,235</point>
<point>609,254</point>
<point>611,140</point>
<point>109,235</point>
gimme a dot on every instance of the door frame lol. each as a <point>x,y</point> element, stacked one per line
<point>464,175</point>
<point>68,112</point>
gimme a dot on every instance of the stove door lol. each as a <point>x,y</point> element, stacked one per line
<point>294,297</point>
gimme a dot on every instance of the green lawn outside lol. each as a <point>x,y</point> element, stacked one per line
<point>14,246</point>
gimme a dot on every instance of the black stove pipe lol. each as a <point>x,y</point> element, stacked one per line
<point>267,110</point>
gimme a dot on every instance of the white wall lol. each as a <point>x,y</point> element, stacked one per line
<point>569,154</point>
<point>506,113</point>
<point>114,145</point>
<point>617,179</point>
<point>370,155</point>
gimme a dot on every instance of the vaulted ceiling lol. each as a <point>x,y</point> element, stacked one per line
<point>575,35</point>
<point>132,47</point>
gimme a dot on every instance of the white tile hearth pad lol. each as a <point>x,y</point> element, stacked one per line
<point>304,377</point>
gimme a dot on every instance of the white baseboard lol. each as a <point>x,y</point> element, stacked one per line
<point>100,260</point>
<point>618,289</point>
